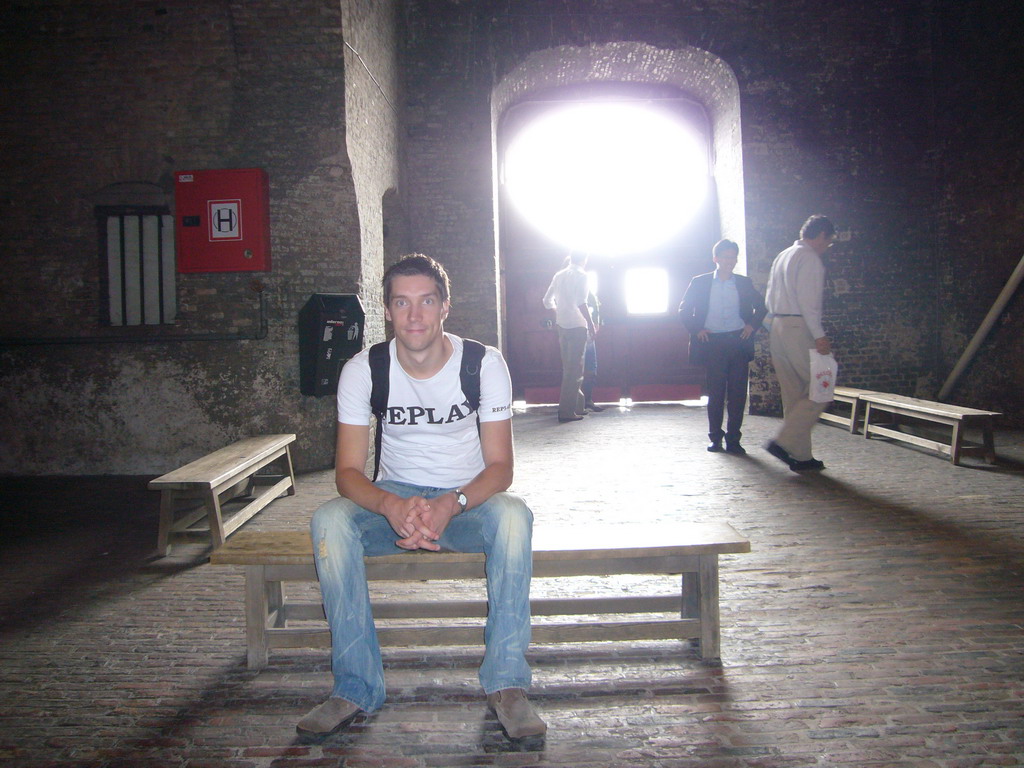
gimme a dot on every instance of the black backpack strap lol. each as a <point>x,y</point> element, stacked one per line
<point>469,374</point>
<point>380,381</point>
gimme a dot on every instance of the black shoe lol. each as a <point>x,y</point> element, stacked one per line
<point>715,447</point>
<point>735,448</point>
<point>810,465</point>
<point>595,407</point>
<point>779,453</point>
<point>575,417</point>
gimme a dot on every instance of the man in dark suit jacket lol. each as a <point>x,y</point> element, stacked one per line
<point>723,311</point>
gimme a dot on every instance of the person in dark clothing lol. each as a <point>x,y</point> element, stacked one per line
<point>723,312</point>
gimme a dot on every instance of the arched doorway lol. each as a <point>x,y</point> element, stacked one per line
<point>642,352</point>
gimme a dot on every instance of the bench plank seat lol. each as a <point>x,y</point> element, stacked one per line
<point>192,496</point>
<point>271,558</point>
<point>896,407</point>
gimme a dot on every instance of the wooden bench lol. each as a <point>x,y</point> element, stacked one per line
<point>895,409</point>
<point>192,497</point>
<point>851,397</point>
<point>271,558</point>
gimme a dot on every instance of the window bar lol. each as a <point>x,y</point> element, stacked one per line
<point>160,266</point>
<point>168,266</point>
<point>149,257</point>
<point>123,244</point>
<point>133,270</point>
<point>114,272</point>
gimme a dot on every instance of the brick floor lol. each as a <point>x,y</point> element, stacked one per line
<point>877,621</point>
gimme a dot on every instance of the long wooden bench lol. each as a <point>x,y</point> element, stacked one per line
<point>885,414</point>
<point>849,396</point>
<point>193,496</point>
<point>271,558</point>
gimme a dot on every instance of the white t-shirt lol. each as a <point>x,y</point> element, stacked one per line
<point>430,436</point>
<point>568,289</point>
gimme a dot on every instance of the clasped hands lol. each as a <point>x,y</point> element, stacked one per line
<point>419,521</point>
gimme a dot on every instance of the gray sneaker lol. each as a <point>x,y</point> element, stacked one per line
<point>327,717</point>
<point>515,713</point>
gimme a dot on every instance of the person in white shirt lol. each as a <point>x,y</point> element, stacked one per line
<point>442,485</point>
<point>794,297</point>
<point>567,295</point>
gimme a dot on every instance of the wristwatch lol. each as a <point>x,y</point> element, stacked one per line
<point>461,500</point>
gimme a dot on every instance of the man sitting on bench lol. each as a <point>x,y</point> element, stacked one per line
<point>441,485</point>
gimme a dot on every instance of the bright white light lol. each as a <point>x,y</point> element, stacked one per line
<point>607,178</point>
<point>646,291</point>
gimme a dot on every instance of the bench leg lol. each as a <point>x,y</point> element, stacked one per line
<point>257,608</point>
<point>691,596</point>
<point>990,443</point>
<point>291,469</point>
<point>710,628</point>
<point>163,535</point>
<point>275,604</point>
<point>855,408</point>
<point>956,443</point>
<point>700,601</point>
<point>213,514</point>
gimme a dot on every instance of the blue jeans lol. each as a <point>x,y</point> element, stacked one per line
<point>343,533</point>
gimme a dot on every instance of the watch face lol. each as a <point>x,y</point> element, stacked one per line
<point>461,498</point>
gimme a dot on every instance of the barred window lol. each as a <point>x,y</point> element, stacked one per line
<point>137,264</point>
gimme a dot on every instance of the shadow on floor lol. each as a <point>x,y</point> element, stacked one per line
<point>67,540</point>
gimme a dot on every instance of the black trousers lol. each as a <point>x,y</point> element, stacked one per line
<point>728,366</point>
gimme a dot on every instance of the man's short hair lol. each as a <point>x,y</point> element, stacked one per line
<point>577,257</point>
<point>723,246</point>
<point>417,264</point>
<point>817,225</point>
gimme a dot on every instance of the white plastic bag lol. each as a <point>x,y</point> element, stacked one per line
<point>823,377</point>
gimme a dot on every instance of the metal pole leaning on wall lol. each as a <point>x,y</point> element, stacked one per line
<point>984,328</point>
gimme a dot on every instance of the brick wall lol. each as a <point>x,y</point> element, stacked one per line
<point>843,107</point>
<point>108,92</point>
<point>898,119</point>
<point>979,213</point>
